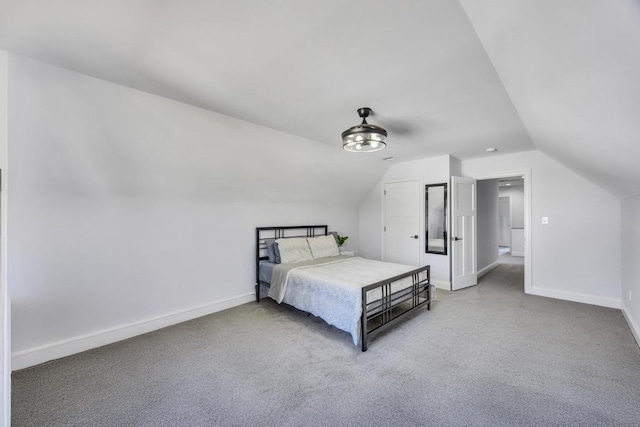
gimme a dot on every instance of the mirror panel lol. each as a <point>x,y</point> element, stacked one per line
<point>436,218</point>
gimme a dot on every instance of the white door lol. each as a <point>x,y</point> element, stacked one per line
<point>464,271</point>
<point>401,226</point>
<point>504,212</point>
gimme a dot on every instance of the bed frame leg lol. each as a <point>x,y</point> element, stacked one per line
<point>363,320</point>
<point>257,292</point>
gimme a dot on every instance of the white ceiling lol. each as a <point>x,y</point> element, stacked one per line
<point>304,67</point>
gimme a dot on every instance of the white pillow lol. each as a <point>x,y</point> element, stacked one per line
<point>294,250</point>
<point>323,246</point>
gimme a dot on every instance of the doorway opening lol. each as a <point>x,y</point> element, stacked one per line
<point>504,217</point>
<point>511,220</point>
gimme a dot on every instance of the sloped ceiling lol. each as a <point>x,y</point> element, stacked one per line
<point>571,69</point>
<point>304,67</point>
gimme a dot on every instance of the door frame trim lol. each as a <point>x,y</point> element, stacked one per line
<point>383,206</point>
<point>526,174</point>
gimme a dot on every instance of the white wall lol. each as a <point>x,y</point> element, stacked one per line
<point>630,264</point>
<point>518,240</point>
<point>455,166</point>
<point>577,255</point>
<point>130,211</point>
<point>487,223</point>
<point>433,170</point>
<point>5,309</point>
<point>516,200</point>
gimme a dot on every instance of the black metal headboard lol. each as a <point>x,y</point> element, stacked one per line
<point>263,233</point>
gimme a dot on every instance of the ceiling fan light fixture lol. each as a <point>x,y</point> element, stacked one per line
<point>365,137</point>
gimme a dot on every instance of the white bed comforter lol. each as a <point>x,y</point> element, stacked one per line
<point>331,288</point>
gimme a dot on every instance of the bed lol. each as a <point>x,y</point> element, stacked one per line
<point>302,266</point>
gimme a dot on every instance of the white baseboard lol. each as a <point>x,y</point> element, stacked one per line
<point>577,297</point>
<point>488,268</point>
<point>517,253</point>
<point>45,353</point>
<point>442,284</point>
<point>635,330</point>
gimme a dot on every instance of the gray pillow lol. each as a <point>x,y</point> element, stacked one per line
<point>272,251</point>
<point>276,253</point>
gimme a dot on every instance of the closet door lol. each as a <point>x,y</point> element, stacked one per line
<point>401,228</point>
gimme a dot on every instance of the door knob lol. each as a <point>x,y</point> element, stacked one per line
<point>415,236</point>
<point>455,239</point>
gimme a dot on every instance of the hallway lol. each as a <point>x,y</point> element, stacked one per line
<point>508,259</point>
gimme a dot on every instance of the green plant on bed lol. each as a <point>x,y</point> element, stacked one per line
<point>341,239</point>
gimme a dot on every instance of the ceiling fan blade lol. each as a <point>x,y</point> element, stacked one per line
<point>395,126</point>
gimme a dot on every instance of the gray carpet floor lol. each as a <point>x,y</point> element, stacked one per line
<point>487,355</point>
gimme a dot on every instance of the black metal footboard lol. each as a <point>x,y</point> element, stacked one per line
<point>394,301</point>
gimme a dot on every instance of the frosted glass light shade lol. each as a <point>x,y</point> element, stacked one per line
<point>364,138</point>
